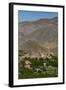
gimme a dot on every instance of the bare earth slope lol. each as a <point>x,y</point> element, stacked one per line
<point>39,36</point>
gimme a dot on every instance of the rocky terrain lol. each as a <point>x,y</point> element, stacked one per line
<point>39,36</point>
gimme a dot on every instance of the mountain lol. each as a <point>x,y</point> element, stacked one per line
<point>26,27</point>
<point>33,47</point>
<point>40,35</point>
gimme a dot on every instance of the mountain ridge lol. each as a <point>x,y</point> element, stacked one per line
<point>43,32</point>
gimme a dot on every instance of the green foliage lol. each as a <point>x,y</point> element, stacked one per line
<point>54,61</point>
<point>49,70</point>
<point>21,52</point>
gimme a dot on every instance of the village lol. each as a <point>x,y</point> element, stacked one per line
<point>44,65</point>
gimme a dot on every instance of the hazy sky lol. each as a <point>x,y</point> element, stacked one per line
<point>34,15</point>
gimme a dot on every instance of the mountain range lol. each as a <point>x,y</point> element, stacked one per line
<point>39,36</point>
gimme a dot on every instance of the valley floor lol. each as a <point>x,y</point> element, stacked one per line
<point>38,67</point>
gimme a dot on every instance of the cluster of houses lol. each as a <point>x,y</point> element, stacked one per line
<point>40,55</point>
<point>28,64</point>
